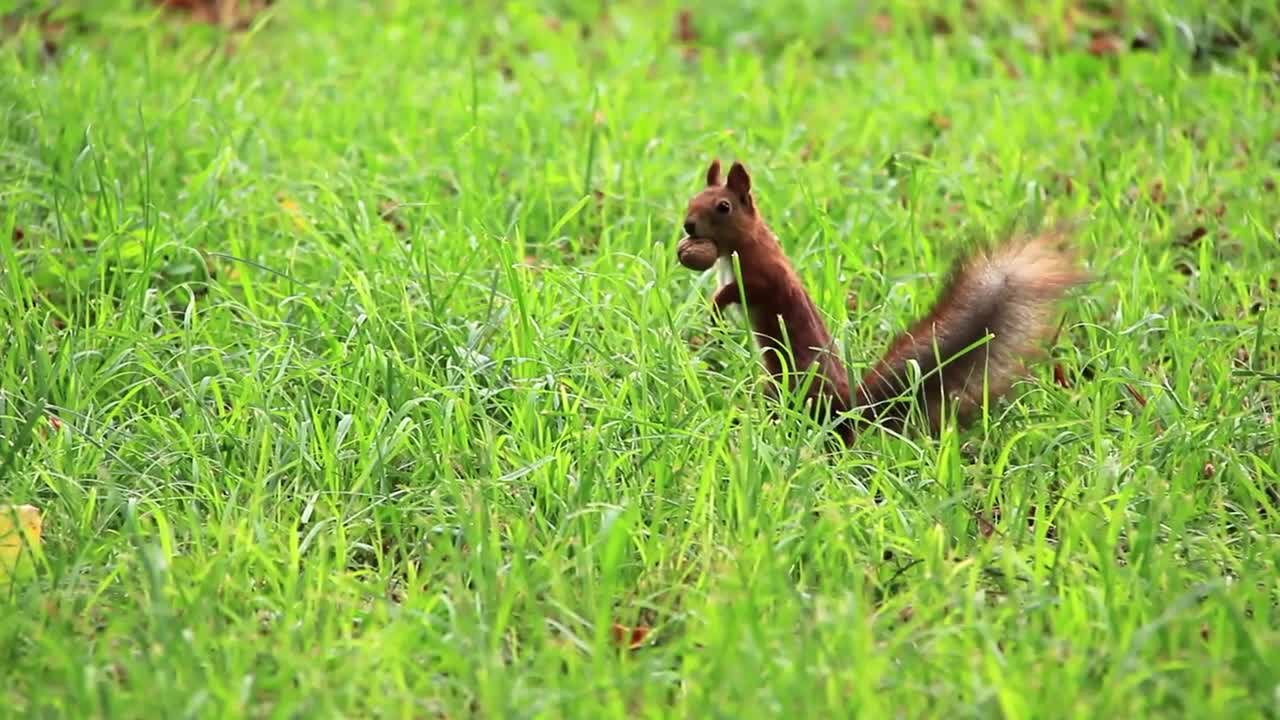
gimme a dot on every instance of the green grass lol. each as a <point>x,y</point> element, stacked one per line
<point>312,462</point>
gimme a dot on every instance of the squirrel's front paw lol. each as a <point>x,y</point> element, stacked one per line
<point>727,295</point>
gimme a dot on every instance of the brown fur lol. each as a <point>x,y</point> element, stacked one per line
<point>1008,292</point>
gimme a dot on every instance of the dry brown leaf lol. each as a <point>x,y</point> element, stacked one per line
<point>1103,44</point>
<point>631,638</point>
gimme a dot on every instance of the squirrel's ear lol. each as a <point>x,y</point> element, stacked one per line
<point>740,182</point>
<point>713,173</point>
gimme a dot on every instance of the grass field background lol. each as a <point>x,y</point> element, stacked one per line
<point>348,358</point>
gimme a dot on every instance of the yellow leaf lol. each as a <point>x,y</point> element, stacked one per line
<point>18,540</point>
<point>294,211</point>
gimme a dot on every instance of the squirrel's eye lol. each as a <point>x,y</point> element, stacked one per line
<point>723,207</point>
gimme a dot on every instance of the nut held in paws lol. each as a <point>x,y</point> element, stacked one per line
<point>696,253</point>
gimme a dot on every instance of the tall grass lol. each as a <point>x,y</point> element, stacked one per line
<point>350,363</point>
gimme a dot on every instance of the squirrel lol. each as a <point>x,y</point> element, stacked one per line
<point>994,309</point>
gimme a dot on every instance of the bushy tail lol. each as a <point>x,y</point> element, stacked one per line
<point>1008,293</point>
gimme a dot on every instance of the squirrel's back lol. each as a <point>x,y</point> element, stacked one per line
<point>1008,293</point>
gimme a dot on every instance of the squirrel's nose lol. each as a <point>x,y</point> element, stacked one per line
<point>689,227</point>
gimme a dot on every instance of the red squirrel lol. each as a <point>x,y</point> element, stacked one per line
<point>993,311</point>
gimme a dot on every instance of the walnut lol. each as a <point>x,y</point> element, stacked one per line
<point>696,253</point>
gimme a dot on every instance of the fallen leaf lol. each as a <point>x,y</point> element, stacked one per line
<point>390,215</point>
<point>985,526</point>
<point>234,14</point>
<point>1060,376</point>
<point>534,263</point>
<point>686,33</point>
<point>1010,69</point>
<point>55,422</point>
<point>1158,195</point>
<point>631,638</point>
<point>1104,43</point>
<point>294,211</point>
<point>1195,235</point>
<point>21,529</point>
<point>687,36</point>
<point>1137,396</point>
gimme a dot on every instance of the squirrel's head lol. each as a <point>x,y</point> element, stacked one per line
<point>723,213</point>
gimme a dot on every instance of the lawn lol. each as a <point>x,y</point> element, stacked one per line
<point>348,360</point>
